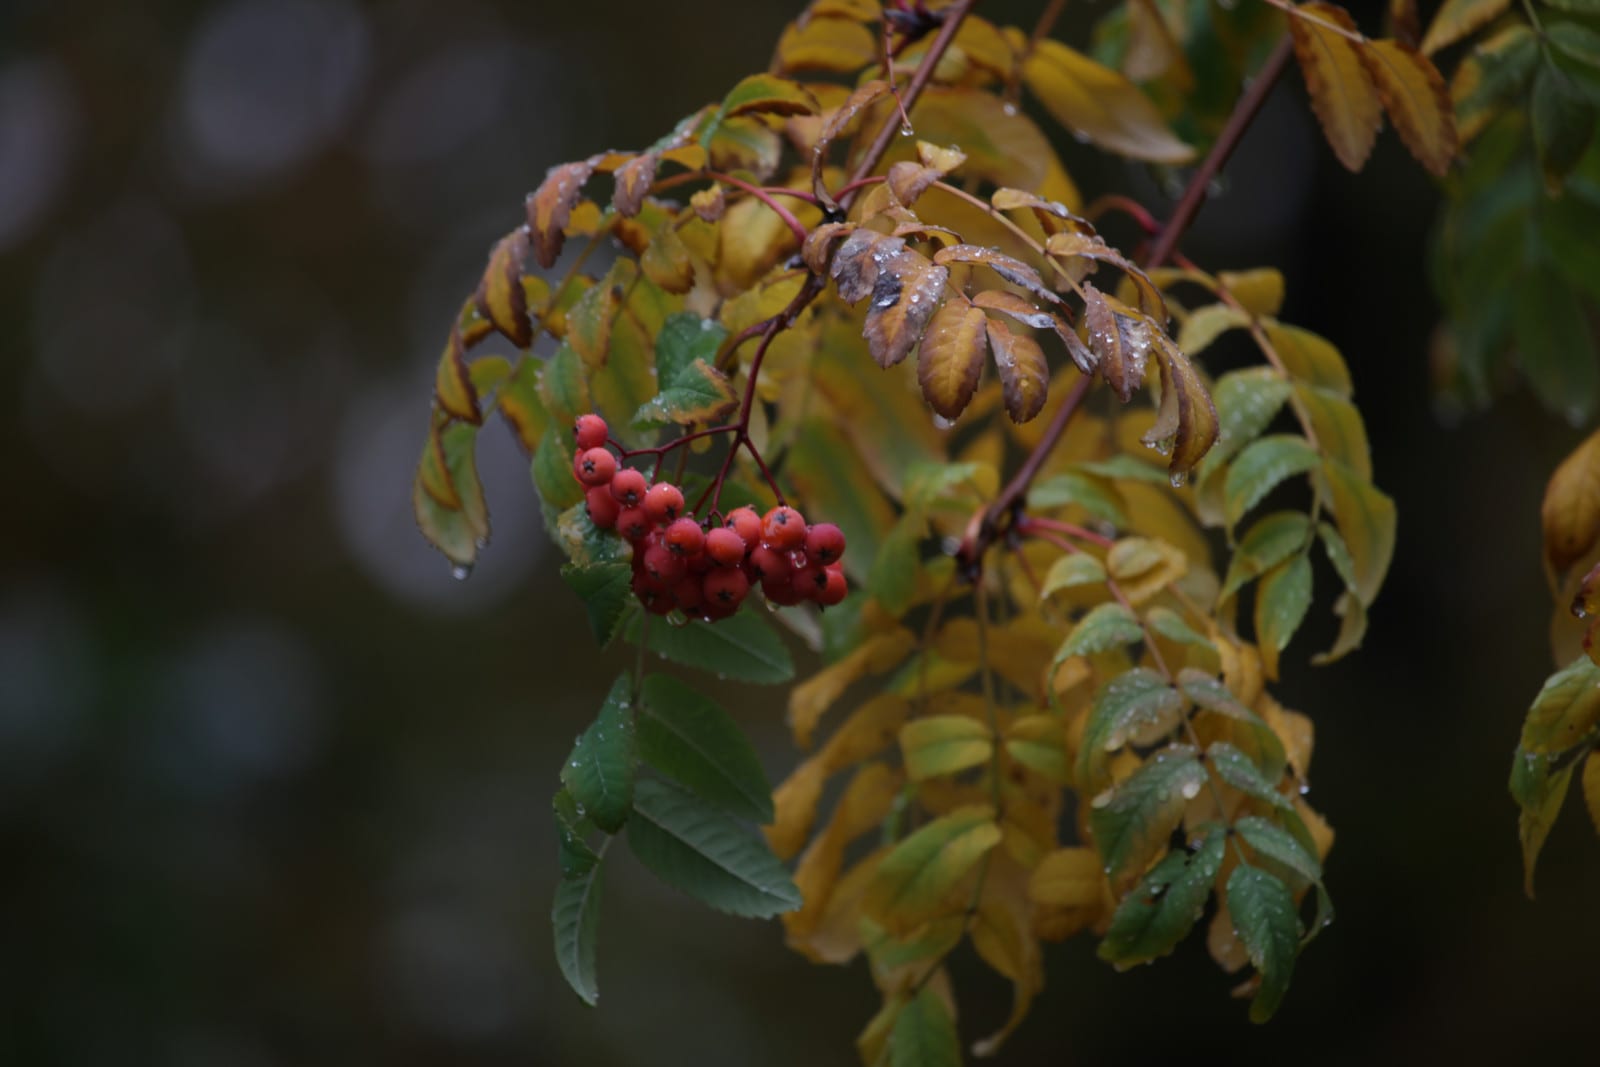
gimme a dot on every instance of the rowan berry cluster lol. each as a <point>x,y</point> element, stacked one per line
<point>703,570</point>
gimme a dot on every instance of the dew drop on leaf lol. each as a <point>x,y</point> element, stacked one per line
<point>1190,790</point>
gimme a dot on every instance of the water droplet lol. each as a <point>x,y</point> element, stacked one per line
<point>1102,800</point>
<point>906,130</point>
<point>1009,109</point>
<point>1190,790</point>
<point>461,571</point>
<point>1179,479</point>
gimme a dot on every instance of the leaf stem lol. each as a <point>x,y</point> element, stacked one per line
<point>763,195</point>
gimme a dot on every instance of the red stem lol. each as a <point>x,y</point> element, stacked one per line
<point>1033,523</point>
<point>765,197</point>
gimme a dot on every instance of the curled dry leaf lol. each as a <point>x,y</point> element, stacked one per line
<point>1024,374</point>
<point>818,249</point>
<point>1414,93</point>
<point>904,297</point>
<point>1088,245</point>
<point>859,260</point>
<point>500,297</point>
<point>1009,303</point>
<point>1187,415</point>
<point>550,206</point>
<point>1120,339</point>
<point>633,180</point>
<point>1341,90</point>
<point>908,180</point>
<point>950,361</point>
<point>1012,270</point>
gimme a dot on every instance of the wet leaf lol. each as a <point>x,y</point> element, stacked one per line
<point>1100,104</point>
<point>607,593</point>
<point>707,853</point>
<point>1263,465</point>
<point>1563,123</point>
<point>1160,911</point>
<point>1069,571</point>
<point>1366,519</point>
<point>1338,426</point>
<point>453,390</point>
<point>1281,604</point>
<point>904,296</point>
<point>1341,89</point>
<point>1024,374</point>
<point>500,297</point>
<point>1273,539</point>
<point>549,207</point>
<point>520,405</point>
<point>837,123</point>
<point>1566,710</point>
<point>1132,822</point>
<point>1106,626</point>
<point>1187,416</point>
<point>764,94</point>
<point>1007,267</point>
<point>1309,358</point>
<point>600,772</point>
<point>693,390</point>
<point>690,738</point>
<point>1264,915</point>
<point>944,744</point>
<point>1002,144</point>
<point>1120,338</point>
<point>950,361</point>
<point>1539,787</point>
<point>1418,102</point>
<point>1140,707</point>
<point>743,648</point>
<point>575,922</point>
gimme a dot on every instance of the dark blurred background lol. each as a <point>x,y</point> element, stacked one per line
<point>274,788</point>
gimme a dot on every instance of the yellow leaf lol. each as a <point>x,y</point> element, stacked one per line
<point>826,44</point>
<point>1205,324</point>
<point>1259,290</point>
<point>812,698</point>
<point>1366,518</point>
<point>1341,90</point>
<point>951,359</point>
<point>862,807</point>
<point>836,938</point>
<point>452,384</point>
<point>986,46</point>
<point>500,297</point>
<point>1187,415</point>
<point>870,729</point>
<point>1143,566</point>
<point>907,290</point>
<point>1591,788</point>
<point>1338,426</point>
<point>1309,358</point>
<point>1098,103</point>
<point>1002,147</point>
<point>1003,938</point>
<point>751,239</point>
<point>795,805</point>
<point>1068,878</point>
<point>914,881</point>
<point>1039,743</point>
<point>550,206</point>
<point>1418,102</point>
<point>944,744</point>
<point>1570,513</point>
<point>1458,18</point>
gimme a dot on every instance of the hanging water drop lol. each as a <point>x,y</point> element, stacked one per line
<point>1179,479</point>
<point>461,571</point>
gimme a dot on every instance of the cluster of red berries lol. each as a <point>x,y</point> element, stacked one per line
<point>705,572</point>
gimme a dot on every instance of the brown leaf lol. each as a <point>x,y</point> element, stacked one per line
<point>1120,338</point>
<point>1341,90</point>
<point>633,180</point>
<point>1071,243</point>
<point>1024,374</point>
<point>550,206</point>
<point>858,261</point>
<point>904,297</point>
<point>1414,93</point>
<point>1570,513</point>
<point>1012,270</point>
<point>500,297</point>
<point>950,361</point>
<point>1186,415</point>
<point>818,249</point>
<point>1009,303</point>
<point>710,203</point>
<point>908,180</point>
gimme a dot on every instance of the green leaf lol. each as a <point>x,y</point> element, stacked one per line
<point>573,829</point>
<point>707,853</point>
<point>1281,603</point>
<point>692,389</point>
<point>1539,787</point>
<point>913,880</point>
<point>828,473</point>
<point>607,593</point>
<point>1137,706</point>
<point>563,388</point>
<point>1366,519</point>
<point>1554,343</point>
<point>893,578</point>
<point>1132,821</point>
<point>1068,571</point>
<point>1308,357</point>
<point>1123,467</point>
<point>519,403</point>
<point>558,489</point>
<point>1338,553</point>
<point>1099,499</point>
<point>1273,539</point>
<point>1264,915</point>
<point>1577,7</point>
<point>1161,910</point>
<point>1272,842</point>
<point>1105,626</point>
<point>769,95</point>
<point>743,648</point>
<point>575,920</point>
<point>944,744</point>
<point>1264,745</point>
<point>1563,123</point>
<point>1566,710</point>
<point>924,1034</point>
<point>1171,625</point>
<point>1576,40</point>
<point>1240,771</point>
<point>599,774</point>
<point>1261,467</point>
<point>690,738</point>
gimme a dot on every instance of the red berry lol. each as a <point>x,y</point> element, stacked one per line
<point>699,564</point>
<point>835,588</point>
<point>591,430</point>
<point>780,591</point>
<point>783,528</point>
<point>664,565</point>
<point>809,581</point>
<point>688,593</point>
<point>663,503</point>
<point>725,546</point>
<point>712,610</point>
<point>603,507</point>
<point>685,537</point>
<point>594,466</point>
<point>824,543</point>
<point>767,565</point>
<point>633,524</point>
<point>651,593</point>
<point>726,587</point>
<point>747,524</point>
<point>629,487</point>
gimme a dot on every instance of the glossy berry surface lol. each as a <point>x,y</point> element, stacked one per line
<point>591,431</point>
<point>663,503</point>
<point>595,466</point>
<point>782,528</point>
<point>629,487</point>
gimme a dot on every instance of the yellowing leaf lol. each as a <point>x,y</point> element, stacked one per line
<point>1458,18</point>
<point>1120,338</point>
<point>1591,789</point>
<point>1098,103</point>
<point>1418,102</point>
<point>950,361</point>
<point>1281,603</point>
<point>1341,90</point>
<point>1338,426</point>
<point>862,807</point>
<point>1204,325</point>
<point>1259,290</point>
<point>500,297</point>
<point>452,383</point>
<point>1309,358</point>
<point>1366,519</point>
<point>1068,571</point>
<point>1144,566</point>
<point>1187,416</point>
<point>826,44</point>
<point>944,744</point>
<point>550,206</point>
<point>1038,743</point>
<point>766,94</point>
<point>904,296</point>
<point>795,805</point>
<point>1570,513</point>
<point>914,881</point>
<point>1564,712</point>
<point>1068,878</point>
<point>811,699</point>
<point>1002,146</point>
